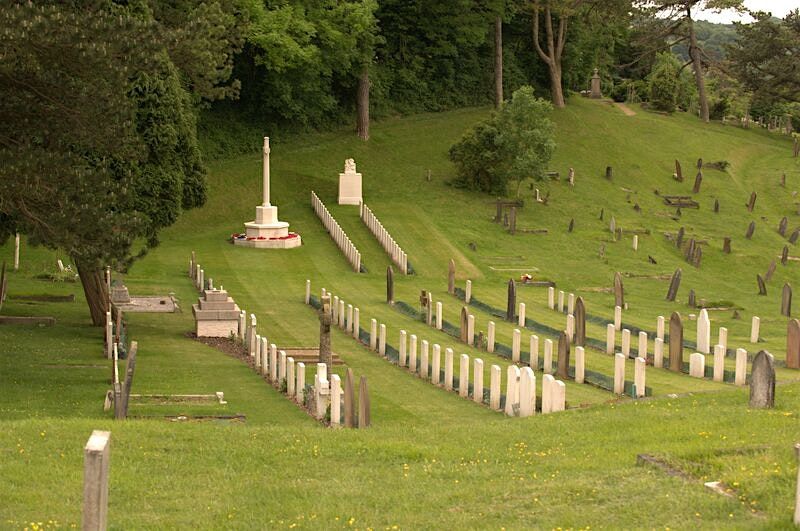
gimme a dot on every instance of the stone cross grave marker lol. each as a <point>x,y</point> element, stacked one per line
<point>762,381</point>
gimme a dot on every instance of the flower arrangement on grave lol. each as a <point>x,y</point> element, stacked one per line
<point>243,236</point>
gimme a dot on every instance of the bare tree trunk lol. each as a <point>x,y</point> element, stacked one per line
<point>694,54</point>
<point>498,62</point>
<point>555,86</point>
<point>362,105</point>
<point>555,48</point>
<point>95,290</point>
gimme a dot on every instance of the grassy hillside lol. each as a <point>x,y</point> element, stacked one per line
<point>430,455</point>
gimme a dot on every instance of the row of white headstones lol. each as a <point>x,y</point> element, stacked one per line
<point>395,252</point>
<point>351,253</point>
<point>520,382</point>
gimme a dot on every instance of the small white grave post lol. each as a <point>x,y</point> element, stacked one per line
<point>423,366</point>
<point>571,303</point>
<point>570,328</point>
<point>512,389</point>
<point>626,342</point>
<point>356,325</point>
<point>560,302</point>
<point>548,356</point>
<point>300,387</point>
<point>533,360</point>
<point>273,363</point>
<point>551,298</point>
<point>639,367</point>
<point>438,316</point>
<point>658,353</point>
<point>521,317</point>
<point>308,292</point>
<point>382,340</point>
<point>463,376</point>
<point>349,324</point>
<point>436,363</point>
<point>719,363</point>
<point>448,369</point>
<point>660,327</point>
<point>635,242</point>
<point>468,292</point>
<point>373,334</point>
<point>703,332</point>
<point>281,366</point>
<point>336,400</point>
<point>723,337</point>
<point>109,335</point>
<point>515,345</point>
<point>471,330</point>
<point>264,357</point>
<point>257,361</point>
<point>402,349</point>
<point>527,392</point>
<point>477,383</point>
<point>16,252</point>
<point>619,373</point>
<point>754,328</point>
<point>494,387</point>
<point>642,345</point>
<point>490,337</point>
<point>558,396</point>
<point>611,339</point>
<point>242,326</point>
<point>797,495</point>
<point>290,376</point>
<point>617,317</point>
<point>741,367</point>
<point>412,353</point>
<point>580,365</point>
<point>547,395</point>
<point>96,461</point>
<point>697,365</point>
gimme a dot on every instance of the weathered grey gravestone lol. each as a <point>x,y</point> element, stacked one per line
<point>679,238</point>
<point>325,319</point>
<point>612,226</point>
<point>689,253</point>
<point>349,399</point>
<point>619,291</point>
<point>762,381</point>
<point>451,278</point>
<point>580,323</point>
<point>770,271</point>
<point>783,225</point>
<point>609,173</point>
<point>726,245</point>
<point>674,284</point>
<point>390,285</point>
<point>97,456</point>
<point>675,342</point>
<point>794,236</point>
<point>716,206</point>
<point>699,163</point>
<point>678,172</point>
<point>785,255</point>
<point>571,225</point>
<point>751,204</point>
<point>363,404</point>
<point>698,256</point>
<point>692,302</point>
<point>793,344</point>
<point>750,230</point>
<point>563,355</point>
<point>762,286</point>
<point>786,300</point>
<point>464,320</point>
<point>512,300</point>
<point>698,180</point>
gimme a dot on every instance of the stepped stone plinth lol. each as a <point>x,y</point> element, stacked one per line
<point>216,314</point>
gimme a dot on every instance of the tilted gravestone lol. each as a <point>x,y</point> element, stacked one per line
<point>674,284</point>
<point>698,256</point>
<point>726,245</point>
<point>786,300</point>
<point>793,344</point>
<point>464,321</point>
<point>451,277</point>
<point>678,172</point>
<point>390,285</point>
<point>750,230</point>
<point>716,206</point>
<point>563,356</point>
<point>690,248</point>
<point>794,236</point>
<point>619,291</point>
<point>692,302</point>
<point>785,255</point>
<point>511,304</point>
<point>580,323</point>
<point>783,225</point>
<point>762,286</point>
<point>571,225</point>
<point>770,271</point>
<point>751,204</point>
<point>698,180</point>
<point>602,212</point>
<point>679,238</point>
<point>349,399</point>
<point>675,342</point>
<point>762,381</point>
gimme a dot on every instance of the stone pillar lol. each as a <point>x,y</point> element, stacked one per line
<point>527,392</point>
<point>533,360</point>
<point>611,340</point>
<point>463,376</point>
<point>660,327</point>
<point>512,389</point>
<point>265,174</point>
<point>401,349</point>
<point>639,367</point>
<point>423,366</point>
<point>697,365</point>
<point>547,395</point>
<point>595,91</point>
<point>521,315</point>
<point>515,345</point>
<point>490,336</point>
<point>477,380</point>
<point>290,376</point>
<point>754,329</point>
<point>438,316</point>
<point>373,334</point>
<point>658,353</point>
<point>336,400</point>
<point>703,332</point>
<point>617,317</point>
<point>580,365</point>
<point>412,353</point>
<point>548,356</point>
<point>619,373</point>
<point>626,342</point>
<point>436,363</point>
<point>382,340</point>
<point>448,369</point>
<point>96,461</point>
<point>468,291</point>
<point>642,345</point>
<point>494,387</point>
<point>300,387</point>
<point>719,363</point>
<point>551,298</point>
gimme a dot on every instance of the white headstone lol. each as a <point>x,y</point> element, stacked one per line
<point>723,337</point>
<point>423,363</point>
<point>754,329</point>
<point>580,365</point>
<point>561,302</point>
<point>642,345</point>
<point>436,363</point>
<point>356,324</point>
<point>527,392</point>
<point>626,342</point>
<point>697,365</point>
<point>468,291</point>
<point>515,344</point>
<point>639,366</point>
<point>512,390</point>
<point>660,327</point>
<point>290,377</point>
<point>438,315</point>
<point>336,400</point>
<point>658,353</point>
<point>308,292</point>
<point>490,337</point>
<point>719,363</point>
<point>617,317</point>
<point>349,322</point>
<point>281,366</point>
<point>635,242</point>
<point>619,373</point>
<point>373,334</point>
<point>533,360</point>
<point>703,332</point>
<point>471,330</point>
<point>300,387</point>
<point>547,395</point>
<point>548,356</point>
<point>264,357</point>
<point>477,380</point>
<point>382,340</point>
<point>571,303</point>
<point>611,339</point>
<point>448,369</point>
<point>412,353</point>
<point>96,462</point>
<point>494,387</point>
<point>463,376</point>
<point>551,298</point>
<point>521,316</point>
<point>273,363</point>
<point>741,367</point>
<point>402,348</point>
<point>570,328</point>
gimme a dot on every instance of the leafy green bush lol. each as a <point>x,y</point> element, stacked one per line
<point>515,143</point>
<point>663,83</point>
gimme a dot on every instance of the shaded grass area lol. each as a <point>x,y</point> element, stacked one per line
<point>430,456</point>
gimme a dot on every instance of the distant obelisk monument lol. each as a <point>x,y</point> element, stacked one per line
<point>267,232</point>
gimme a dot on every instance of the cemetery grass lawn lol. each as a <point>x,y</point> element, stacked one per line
<point>431,459</point>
